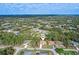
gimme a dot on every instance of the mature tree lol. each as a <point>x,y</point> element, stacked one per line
<point>7,51</point>
<point>50,36</point>
<point>35,40</point>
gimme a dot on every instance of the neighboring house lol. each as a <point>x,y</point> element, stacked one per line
<point>26,43</point>
<point>77,26</point>
<point>51,43</point>
<point>10,30</point>
<point>16,32</point>
<point>42,36</point>
<point>59,44</point>
<point>42,44</point>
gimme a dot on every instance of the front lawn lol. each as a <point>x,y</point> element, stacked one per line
<point>62,52</point>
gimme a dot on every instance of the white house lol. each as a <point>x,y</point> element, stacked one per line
<point>26,43</point>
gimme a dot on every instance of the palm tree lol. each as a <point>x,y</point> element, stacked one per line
<point>35,40</point>
<point>67,39</point>
<point>50,36</point>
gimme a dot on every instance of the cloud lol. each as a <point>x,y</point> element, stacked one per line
<point>46,8</point>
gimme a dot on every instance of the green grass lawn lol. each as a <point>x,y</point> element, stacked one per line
<point>70,53</point>
<point>62,52</point>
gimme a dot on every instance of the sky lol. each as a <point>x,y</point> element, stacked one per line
<point>39,9</point>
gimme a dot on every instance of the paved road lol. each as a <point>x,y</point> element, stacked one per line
<point>18,49</point>
<point>53,51</point>
<point>75,46</point>
<point>4,46</point>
